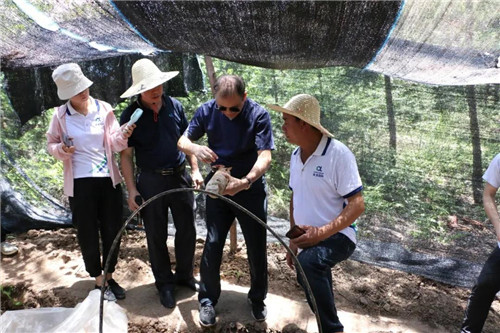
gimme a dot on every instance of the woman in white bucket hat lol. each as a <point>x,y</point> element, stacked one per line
<point>84,134</point>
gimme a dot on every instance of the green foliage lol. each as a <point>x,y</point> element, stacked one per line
<point>9,292</point>
<point>420,184</point>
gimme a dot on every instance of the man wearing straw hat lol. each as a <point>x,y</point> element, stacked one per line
<point>161,167</point>
<point>239,136</point>
<point>326,201</point>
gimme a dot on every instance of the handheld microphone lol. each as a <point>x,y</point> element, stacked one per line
<point>134,117</point>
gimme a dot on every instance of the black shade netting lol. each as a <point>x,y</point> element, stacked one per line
<point>272,34</point>
<point>31,90</point>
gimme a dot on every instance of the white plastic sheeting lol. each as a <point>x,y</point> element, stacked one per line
<point>82,318</point>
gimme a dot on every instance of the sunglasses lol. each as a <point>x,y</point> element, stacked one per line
<point>232,108</point>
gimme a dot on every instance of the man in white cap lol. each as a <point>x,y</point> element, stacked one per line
<point>326,201</point>
<point>488,282</point>
<point>161,167</point>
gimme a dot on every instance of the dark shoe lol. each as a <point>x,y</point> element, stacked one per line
<point>108,294</point>
<point>259,310</point>
<point>207,314</point>
<point>167,298</point>
<point>116,289</point>
<point>191,283</point>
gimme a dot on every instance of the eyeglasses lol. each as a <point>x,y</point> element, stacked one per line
<point>232,108</point>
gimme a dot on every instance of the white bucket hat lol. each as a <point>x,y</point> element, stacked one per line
<point>70,80</point>
<point>304,107</point>
<point>146,76</point>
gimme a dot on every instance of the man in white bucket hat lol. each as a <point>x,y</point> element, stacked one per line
<point>326,201</point>
<point>161,167</point>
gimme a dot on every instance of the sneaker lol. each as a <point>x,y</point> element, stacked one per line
<point>259,310</point>
<point>8,249</point>
<point>207,314</point>
<point>108,294</point>
<point>116,289</point>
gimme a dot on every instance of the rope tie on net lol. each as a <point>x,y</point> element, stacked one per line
<point>229,201</point>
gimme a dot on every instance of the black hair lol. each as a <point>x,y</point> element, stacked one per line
<point>228,85</point>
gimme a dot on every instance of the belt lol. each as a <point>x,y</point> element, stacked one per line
<point>166,171</point>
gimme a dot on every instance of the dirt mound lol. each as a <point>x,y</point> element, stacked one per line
<point>48,272</point>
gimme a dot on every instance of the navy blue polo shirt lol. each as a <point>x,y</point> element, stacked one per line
<point>155,142</point>
<point>236,141</point>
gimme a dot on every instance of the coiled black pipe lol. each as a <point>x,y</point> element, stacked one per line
<point>229,201</point>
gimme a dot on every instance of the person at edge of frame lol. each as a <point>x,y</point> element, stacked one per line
<point>488,283</point>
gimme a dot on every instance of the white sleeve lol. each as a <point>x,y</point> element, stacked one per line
<point>492,174</point>
<point>346,173</point>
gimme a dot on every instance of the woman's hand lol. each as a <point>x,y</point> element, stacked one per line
<point>68,150</point>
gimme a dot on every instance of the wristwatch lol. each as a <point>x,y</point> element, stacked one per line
<point>249,182</point>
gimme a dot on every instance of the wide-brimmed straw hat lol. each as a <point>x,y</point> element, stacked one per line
<point>146,76</point>
<point>304,107</point>
<point>70,80</point>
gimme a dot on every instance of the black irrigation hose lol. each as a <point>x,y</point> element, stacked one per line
<point>227,200</point>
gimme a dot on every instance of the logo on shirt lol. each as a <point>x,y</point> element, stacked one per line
<point>318,172</point>
<point>101,167</point>
<point>97,122</point>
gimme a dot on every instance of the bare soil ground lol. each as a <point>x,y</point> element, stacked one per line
<point>378,299</point>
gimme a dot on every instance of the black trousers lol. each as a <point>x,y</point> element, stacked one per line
<point>3,234</point>
<point>155,217</point>
<point>97,209</point>
<point>483,294</point>
<point>220,216</point>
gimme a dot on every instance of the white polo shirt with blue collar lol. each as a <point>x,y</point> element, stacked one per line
<point>323,183</point>
<point>492,174</point>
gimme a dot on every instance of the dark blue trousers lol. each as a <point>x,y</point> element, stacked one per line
<point>155,217</point>
<point>317,263</point>
<point>483,294</point>
<point>220,216</point>
<point>96,208</point>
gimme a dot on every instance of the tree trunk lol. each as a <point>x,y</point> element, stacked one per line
<point>275,88</point>
<point>477,168</point>
<point>210,73</point>
<point>496,94</point>
<point>390,118</point>
<point>320,85</point>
